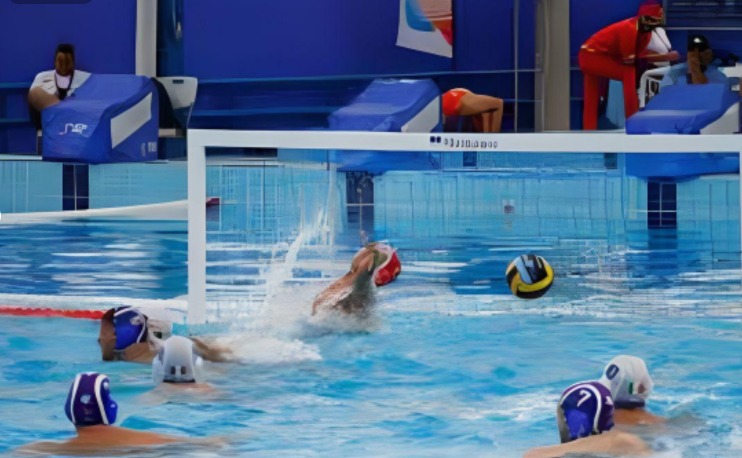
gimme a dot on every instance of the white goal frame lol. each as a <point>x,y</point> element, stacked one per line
<point>568,142</point>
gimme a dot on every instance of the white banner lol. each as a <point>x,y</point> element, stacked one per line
<point>427,26</point>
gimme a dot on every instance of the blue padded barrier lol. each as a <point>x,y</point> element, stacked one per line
<point>389,105</point>
<point>682,109</point>
<point>385,106</point>
<point>110,118</point>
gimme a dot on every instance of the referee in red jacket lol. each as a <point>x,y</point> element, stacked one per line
<point>612,52</point>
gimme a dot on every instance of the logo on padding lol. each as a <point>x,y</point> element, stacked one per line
<point>71,128</point>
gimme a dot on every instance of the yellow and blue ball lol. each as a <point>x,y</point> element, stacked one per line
<point>529,276</point>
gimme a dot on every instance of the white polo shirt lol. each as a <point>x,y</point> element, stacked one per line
<point>45,80</point>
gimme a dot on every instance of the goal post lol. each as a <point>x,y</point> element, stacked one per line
<point>568,142</point>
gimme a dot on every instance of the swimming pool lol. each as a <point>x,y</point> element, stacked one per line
<point>453,365</point>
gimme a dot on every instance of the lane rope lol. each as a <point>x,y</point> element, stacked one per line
<point>45,312</point>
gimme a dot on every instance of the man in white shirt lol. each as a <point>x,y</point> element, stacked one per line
<point>52,86</point>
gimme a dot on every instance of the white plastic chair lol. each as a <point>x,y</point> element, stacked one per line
<point>182,92</point>
<point>733,72</point>
<point>649,84</point>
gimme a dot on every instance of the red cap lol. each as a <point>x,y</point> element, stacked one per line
<point>650,8</point>
<point>387,272</point>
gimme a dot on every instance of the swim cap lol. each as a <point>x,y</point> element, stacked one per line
<point>650,8</point>
<point>586,408</point>
<point>387,271</point>
<point>176,362</point>
<point>529,276</point>
<point>130,326</point>
<point>628,379</point>
<point>89,401</point>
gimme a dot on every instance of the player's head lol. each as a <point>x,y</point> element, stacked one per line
<point>120,328</point>
<point>89,401</point>
<point>628,379</point>
<point>176,362</point>
<point>585,409</point>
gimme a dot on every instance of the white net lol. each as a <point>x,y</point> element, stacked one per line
<point>458,208</point>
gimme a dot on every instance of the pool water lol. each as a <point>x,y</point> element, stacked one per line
<point>421,384</point>
<point>451,364</point>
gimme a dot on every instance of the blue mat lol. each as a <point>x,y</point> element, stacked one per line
<point>386,106</point>
<point>682,109</point>
<point>110,118</point>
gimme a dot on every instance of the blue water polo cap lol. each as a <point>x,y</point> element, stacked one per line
<point>130,326</point>
<point>587,408</point>
<point>89,401</point>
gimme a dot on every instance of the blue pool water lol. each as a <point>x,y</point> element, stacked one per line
<point>423,384</point>
<point>451,364</point>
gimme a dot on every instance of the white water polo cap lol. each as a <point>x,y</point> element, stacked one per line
<point>628,379</point>
<point>176,362</point>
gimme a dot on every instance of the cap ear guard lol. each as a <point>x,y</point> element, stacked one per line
<point>177,363</point>
<point>89,401</point>
<point>587,409</point>
<point>579,424</point>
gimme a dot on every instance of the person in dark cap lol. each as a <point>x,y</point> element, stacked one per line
<point>698,69</point>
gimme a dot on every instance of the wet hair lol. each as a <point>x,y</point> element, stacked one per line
<point>65,48</point>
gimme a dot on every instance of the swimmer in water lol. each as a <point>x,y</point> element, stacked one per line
<point>177,366</point>
<point>628,379</point>
<point>353,293</point>
<point>585,422</point>
<point>92,410</point>
<point>126,334</point>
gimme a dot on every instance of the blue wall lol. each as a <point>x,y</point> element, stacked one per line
<point>103,32</point>
<point>286,38</point>
<point>289,38</point>
<point>484,35</point>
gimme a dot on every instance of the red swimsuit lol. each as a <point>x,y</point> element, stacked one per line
<point>452,100</point>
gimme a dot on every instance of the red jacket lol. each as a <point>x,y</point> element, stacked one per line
<point>621,40</point>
